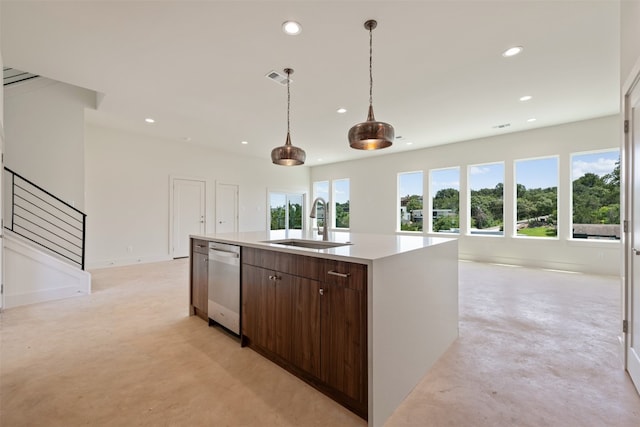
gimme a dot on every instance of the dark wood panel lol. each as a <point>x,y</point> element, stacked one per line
<point>199,283</point>
<point>283,309</point>
<point>258,298</point>
<point>200,246</point>
<point>320,338</point>
<point>344,341</point>
<point>345,274</point>
<point>296,265</point>
<point>306,326</point>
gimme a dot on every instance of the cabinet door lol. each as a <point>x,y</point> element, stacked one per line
<point>282,285</point>
<point>199,285</point>
<point>344,340</point>
<point>267,309</point>
<point>305,352</point>
<point>258,322</point>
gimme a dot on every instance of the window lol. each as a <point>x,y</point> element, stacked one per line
<point>320,189</point>
<point>410,198</point>
<point>340,203</point>
<point>537,197</point>
<point>445,200</point>
<point>596,195</point>
<point>486,192</point>
<point>286,211</point>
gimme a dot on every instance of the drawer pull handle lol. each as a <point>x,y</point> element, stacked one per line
<point>336,273</point>
<point>201,246</point>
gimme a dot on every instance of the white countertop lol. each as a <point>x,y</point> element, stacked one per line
<point>364,247</point>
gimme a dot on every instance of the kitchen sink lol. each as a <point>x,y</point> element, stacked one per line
<point>310,244</point>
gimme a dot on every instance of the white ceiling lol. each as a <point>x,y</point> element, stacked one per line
<point>198,68</point>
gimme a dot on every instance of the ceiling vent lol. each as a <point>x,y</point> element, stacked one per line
<point>12,76</point>
<point>277,77</point>
<point>502,126</point>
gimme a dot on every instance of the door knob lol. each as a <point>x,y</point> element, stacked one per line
<point>321,291</point>
<point>635,251</point>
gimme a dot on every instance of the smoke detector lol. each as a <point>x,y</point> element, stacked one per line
<point>277,77</point>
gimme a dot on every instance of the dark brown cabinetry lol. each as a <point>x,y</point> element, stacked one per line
<point>309,315</point>
<point>199,278</point>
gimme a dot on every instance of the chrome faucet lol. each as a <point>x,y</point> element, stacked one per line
<point>314,212</point>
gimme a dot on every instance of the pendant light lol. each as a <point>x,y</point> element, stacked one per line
<point>288,154</point>
<point>371,135</point>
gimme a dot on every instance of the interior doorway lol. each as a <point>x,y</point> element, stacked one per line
<point>188,213</point>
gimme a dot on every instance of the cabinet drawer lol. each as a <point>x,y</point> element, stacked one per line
<point>200,246</point>
<point>296,265</point>
<point>345,274</point>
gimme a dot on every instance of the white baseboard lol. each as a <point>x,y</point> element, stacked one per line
<point>127,261</point>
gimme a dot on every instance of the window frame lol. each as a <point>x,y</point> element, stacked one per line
<point>432,196</point>
<point>399,217</point>
<point>287,195</point>
<point>515,198</point>
<point>468,196</point>
<point>570,216</point>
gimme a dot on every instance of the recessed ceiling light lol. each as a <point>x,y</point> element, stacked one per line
<point>341,110</point>
<point>149,120</point>
<point>525,98</point>
<point>532,119</point>
<point>244,142</point>
<point>320,159</point>
<point>512,51</point>
<point>291,28</point>
<point>409,143</point>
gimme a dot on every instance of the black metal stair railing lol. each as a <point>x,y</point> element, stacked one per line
<point>46,220</point>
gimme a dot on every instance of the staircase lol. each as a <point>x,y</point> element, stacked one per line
<point>44,245</point>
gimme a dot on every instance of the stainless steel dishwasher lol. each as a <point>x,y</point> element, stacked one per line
<point>224,285</point>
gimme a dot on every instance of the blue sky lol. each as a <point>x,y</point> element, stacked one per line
<point>486,176</point>
<point>537,173</point>
<point>532,173</point>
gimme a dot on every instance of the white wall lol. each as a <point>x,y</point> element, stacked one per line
<point>629,36</point>
<point>374,204</point>
<point>45,135</point>
<point>127,181</point>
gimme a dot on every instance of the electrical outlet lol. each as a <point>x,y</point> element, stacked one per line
<point>129,249</point>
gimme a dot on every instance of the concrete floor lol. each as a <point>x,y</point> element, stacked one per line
<point>536,348</point>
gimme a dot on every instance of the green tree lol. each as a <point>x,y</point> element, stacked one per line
<point>596,200</point>
<point>342,215</point>
<point>277,218</point>
<point>447,198</point>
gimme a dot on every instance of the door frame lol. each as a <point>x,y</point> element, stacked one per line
<point>626,205</point>
<point>172,179</point>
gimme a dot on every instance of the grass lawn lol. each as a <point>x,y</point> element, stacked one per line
<point>538,232</point>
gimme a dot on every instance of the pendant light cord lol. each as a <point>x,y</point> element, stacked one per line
<point>370,66</point>
<point>288,98</point>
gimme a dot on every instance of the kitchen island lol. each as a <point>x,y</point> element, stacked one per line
<point>363,321</point>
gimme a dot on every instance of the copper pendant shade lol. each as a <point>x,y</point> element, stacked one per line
<point>288,154</point>
<point>371,135</point>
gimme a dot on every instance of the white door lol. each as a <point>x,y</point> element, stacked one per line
<point>633,292</point>
<point>226,208</point>
<point>188,213</point>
